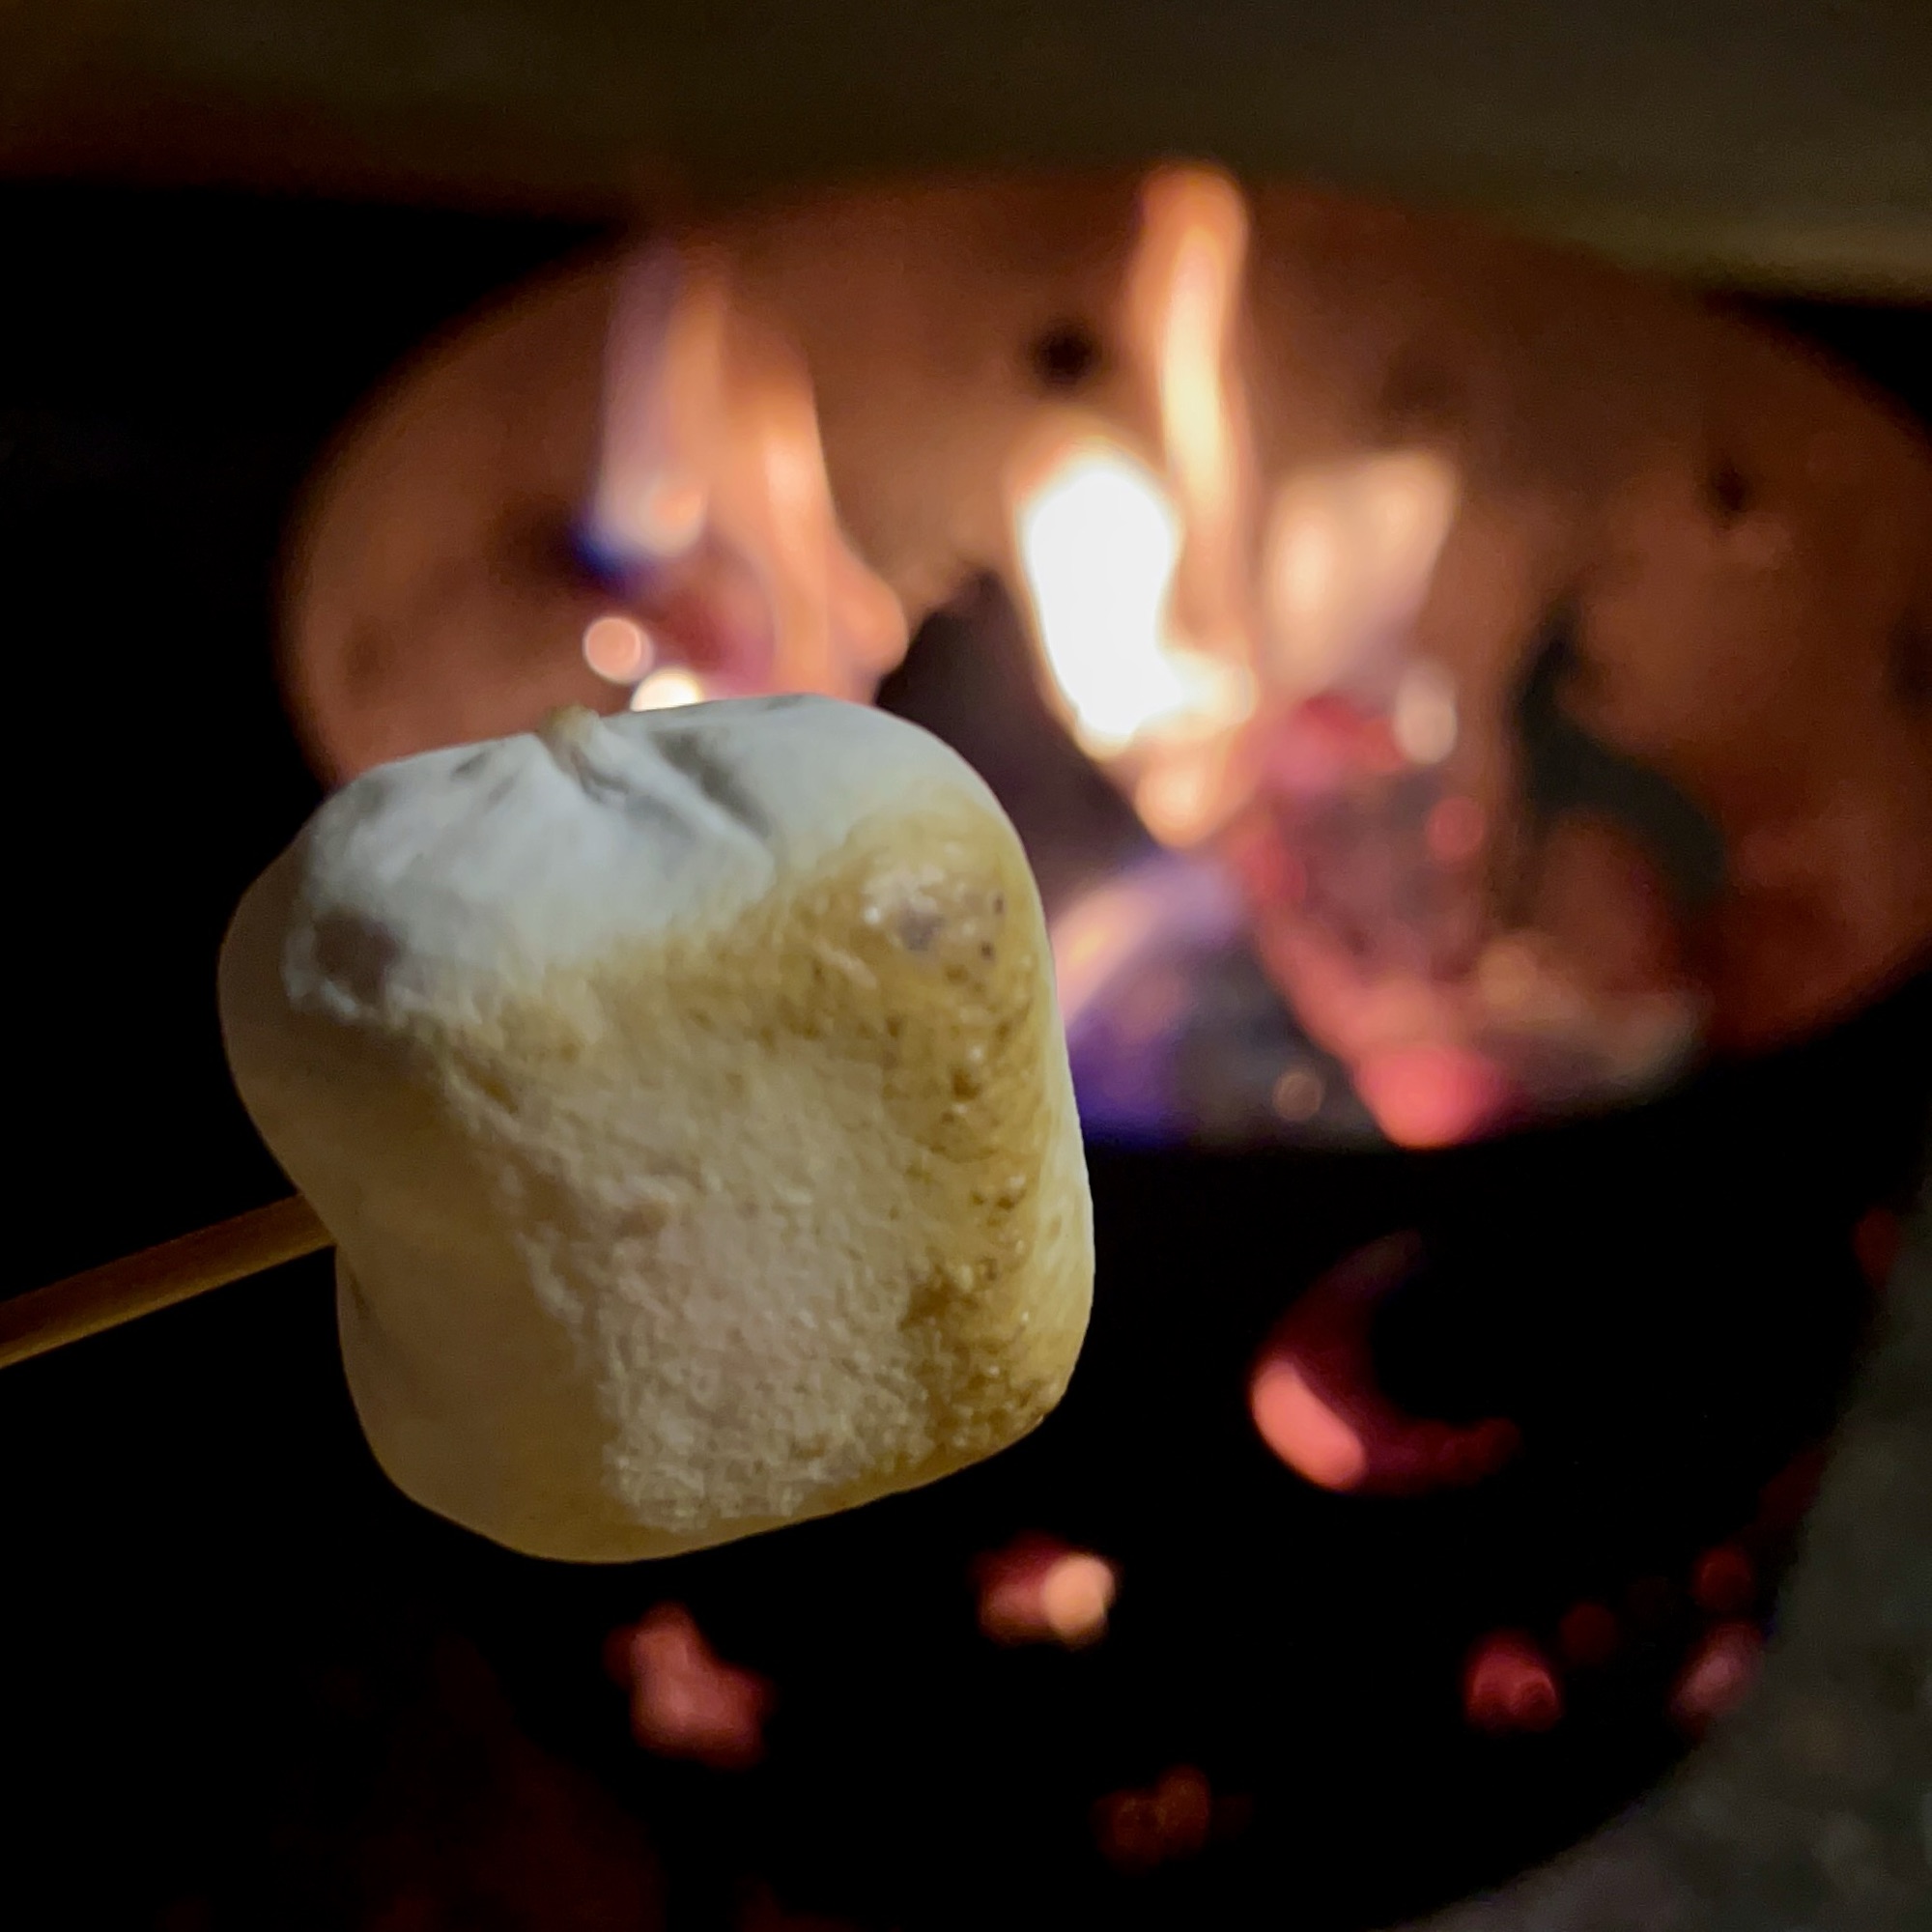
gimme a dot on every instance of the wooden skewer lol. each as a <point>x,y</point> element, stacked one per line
<point>137,1285</point>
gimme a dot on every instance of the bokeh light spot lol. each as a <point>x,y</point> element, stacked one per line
<point>1508,1685</point>
<point>1724,1581</point>
<point>1137,1831</point>
<point>685,1701</point>
<point>1040,1590</point>
<point>1303,1431</point>
<point>1717,1677</point>
<point>617,648</point>
<point>668,689</point>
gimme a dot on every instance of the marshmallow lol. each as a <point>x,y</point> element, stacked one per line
<point>686,1095</point>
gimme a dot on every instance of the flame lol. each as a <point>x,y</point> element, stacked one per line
<point>1183,305</point>
<point>1347,562</point>
<point>1138,572</point>
<point>1188,900</point>
<point>1099,541</point>
<point>712,504</point>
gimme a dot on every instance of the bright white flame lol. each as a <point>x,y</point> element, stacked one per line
<point>617,648</point>
<point>665,690</point>
<point>1099,541</point>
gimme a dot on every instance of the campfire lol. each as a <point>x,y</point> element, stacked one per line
<point>1417,685</point>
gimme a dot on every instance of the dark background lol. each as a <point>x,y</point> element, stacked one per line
<point>248,1686</point>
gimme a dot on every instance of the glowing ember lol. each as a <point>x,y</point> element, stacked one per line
<point>1431,1093</point>
<point>1038,1590</point>
<point>1183,310</point>
<point>1715,1680</point>
<point>1453,830</point>
<point>1508,1685</point>
<point>1138,1830</point>
<point>1304,1431</point>
<point>1316,1402</point>
<point>685,1702</point>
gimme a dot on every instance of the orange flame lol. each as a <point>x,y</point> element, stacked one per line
<point>1137,570</point>
<point>1183,308</point>
<point>712,484</point>
<point>1156,626</point>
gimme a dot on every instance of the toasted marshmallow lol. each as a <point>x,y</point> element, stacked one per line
<point>686,1095</point>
